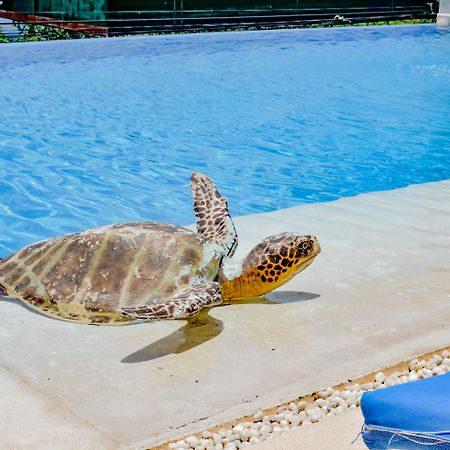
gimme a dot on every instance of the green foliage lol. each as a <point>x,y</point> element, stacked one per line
<point>3,38</point>
<point>33,32</point>
<point>348,23</point>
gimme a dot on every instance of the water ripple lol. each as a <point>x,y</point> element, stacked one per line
<point>101,131</point>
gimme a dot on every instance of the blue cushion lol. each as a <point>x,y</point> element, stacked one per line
<point>421,407</point>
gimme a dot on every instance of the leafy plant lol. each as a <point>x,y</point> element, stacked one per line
<point>33,32</point>
<point>4,38</point>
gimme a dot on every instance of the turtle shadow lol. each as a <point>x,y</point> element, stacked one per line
<point>274,298</point>
<point>202,327</point>
<point>197,331</point>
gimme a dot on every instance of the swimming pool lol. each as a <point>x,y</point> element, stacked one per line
<point>109,130</point>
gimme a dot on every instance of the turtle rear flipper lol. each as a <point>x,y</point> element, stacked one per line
<point>183,305</point>
<point>211,211</point>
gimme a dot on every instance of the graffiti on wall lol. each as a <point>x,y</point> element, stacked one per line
<point>80,9</point>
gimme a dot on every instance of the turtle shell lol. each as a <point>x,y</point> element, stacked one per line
<point>90,276</point>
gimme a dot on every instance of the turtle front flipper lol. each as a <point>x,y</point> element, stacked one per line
<point>211,211</point>
<point>185,304</point>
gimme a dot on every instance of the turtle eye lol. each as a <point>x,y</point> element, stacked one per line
<point>305,245</point>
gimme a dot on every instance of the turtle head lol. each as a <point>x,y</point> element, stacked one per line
<point>272,263</point>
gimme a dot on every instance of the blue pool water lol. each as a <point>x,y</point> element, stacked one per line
<point>101,131</point>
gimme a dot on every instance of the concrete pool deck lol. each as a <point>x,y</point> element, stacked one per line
<point>378,294</point>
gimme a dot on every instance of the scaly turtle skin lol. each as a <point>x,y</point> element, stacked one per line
<point>150,271</point>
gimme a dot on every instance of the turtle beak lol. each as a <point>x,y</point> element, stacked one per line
<point>316,246</point>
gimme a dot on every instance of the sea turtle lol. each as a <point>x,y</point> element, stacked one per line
<point>138,271</point>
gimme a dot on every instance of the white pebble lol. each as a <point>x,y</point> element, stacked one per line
<point>355,387</point>
<point>336,401</point>
<point>230,446</point>
<point>445,354</point>
<point>437,370</point>
<point>293,407</point>
<point>421,364</point>
<point>301,405</point>
<point>326,409</point>
<point>328,392</point>
<point>254,440</point>
<point>277,429</point>
<point>380,377</point>
<point>345,394</point>
<point>314,413</point>
<point>254,433</point>
<point>413,364</point>
<point>193,441</point>
<point>265,429</point>
<point>413,377</point>
<point>258,416</point>
<point>238,428</point>
<point>320,402</point>
<point>245,435</point>
<point>295,420</point>
<point>351,401</point>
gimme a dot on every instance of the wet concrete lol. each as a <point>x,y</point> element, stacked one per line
<point>378,293</point>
